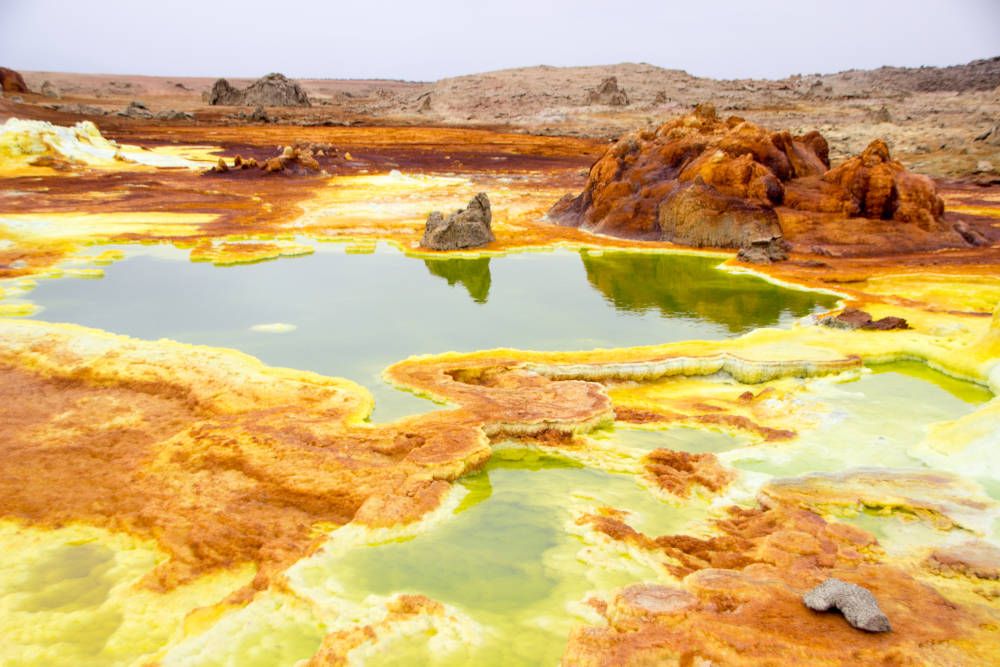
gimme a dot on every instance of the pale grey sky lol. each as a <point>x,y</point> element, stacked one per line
<point>429,39</point>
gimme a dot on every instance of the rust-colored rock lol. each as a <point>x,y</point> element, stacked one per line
<point>701,180</point>
<point>12,82</point>
<point>298,159</point>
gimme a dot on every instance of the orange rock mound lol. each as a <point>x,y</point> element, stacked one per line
<point>12,82</point>
<point>701,180</point>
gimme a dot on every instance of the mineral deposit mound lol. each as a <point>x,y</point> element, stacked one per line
<point>700,180</point>
<point>273,90</point>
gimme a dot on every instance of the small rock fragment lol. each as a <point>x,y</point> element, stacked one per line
<point>857,604</point>
<point>852,318</point>
<point>465,228</point>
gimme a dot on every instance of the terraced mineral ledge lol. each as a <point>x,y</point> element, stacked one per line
<point>556,446</point>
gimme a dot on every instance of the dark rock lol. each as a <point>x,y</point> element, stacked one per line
<point>857,604</point>
<point>275,90</point>
<point>852,318</point>
<point>985,135</point>
<point>972,236</point>
<point>136,109</point>
<point>466,228</point>
<point>224,93</point>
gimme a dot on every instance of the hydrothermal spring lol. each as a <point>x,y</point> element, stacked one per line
<point>247,421</point>
<point>507,557</point>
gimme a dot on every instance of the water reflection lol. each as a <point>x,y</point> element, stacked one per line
<point>473,274</point>
<point>688,286</point>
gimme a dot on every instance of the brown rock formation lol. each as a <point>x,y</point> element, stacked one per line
<point>225,94</point>
<point>273,90</point>
<point>608,93</point>
<point>701,181</point>
<point>12,82</point>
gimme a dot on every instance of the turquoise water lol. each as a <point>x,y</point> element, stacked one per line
<point>356,314</point>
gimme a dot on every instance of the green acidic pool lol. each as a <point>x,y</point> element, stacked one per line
<point>510,557</point>
<point>356,314</point>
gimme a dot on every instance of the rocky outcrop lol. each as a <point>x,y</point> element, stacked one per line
<point>49,90</point>
<point>608,93</point>
<point>12,82</point>
<point>466,228</point>
<point>136,109</point>
<point>702,181</point>
<point>273,90</point>
<point>857,604</point>
<point>224,93</point>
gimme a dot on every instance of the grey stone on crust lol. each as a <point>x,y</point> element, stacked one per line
<point>466,228</point>
<point>857,604</point>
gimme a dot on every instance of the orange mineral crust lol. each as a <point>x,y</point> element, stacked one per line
<point>225,461</point>
<point>681,472</point>
<point>221,460</point>
<point>738,601</point>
